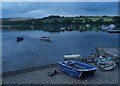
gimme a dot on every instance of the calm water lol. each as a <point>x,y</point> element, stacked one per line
<point>33,52</point>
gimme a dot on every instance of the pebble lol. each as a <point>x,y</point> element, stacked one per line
<point>47,82</point>
<point>85,80</point>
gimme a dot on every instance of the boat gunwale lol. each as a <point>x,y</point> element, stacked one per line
<point>80,70</point>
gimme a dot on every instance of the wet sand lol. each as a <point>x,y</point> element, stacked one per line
<point>39,75</point>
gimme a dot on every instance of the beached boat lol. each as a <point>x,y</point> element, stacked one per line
<point>106,63</point>
<point>72,57</point>
<point>45,39</point>
<point>113,31</point>
<point>109,66</point>
<point>87,25</point>
<point>76,68</point>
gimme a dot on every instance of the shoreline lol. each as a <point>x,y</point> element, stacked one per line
<point>40,76</point>
<point>27,70</point>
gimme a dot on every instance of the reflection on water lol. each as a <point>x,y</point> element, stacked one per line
<point>53,28</point>
<point>33,52</point>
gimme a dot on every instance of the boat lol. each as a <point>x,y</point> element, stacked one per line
<point>113,31</point>
<point>105,27</point>
<point>87,25</point>
<point>76,68</point>
<point>62,28</point>
<point>20,38</point>
<point>106,63</point>
<point>112,26</point>
<point>45,39</point>
<point>109,66</point>
<point>72,57</point>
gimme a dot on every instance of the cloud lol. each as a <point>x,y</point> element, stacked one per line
<point>60,0</point>
<point>41,9</point>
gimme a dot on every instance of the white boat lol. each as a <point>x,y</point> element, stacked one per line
<point>113,31</point>
<point>45,39</point>
<point>110,66</point>
<point>72,57</point>
<point>62,28</point>
<point>87,25</point>
<point>112,26</point>
<point>106,63</point>
<point>105,27</point>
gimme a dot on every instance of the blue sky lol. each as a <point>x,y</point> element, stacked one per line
<point>43,9</point>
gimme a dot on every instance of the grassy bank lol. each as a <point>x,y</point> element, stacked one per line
<point>59,20</point>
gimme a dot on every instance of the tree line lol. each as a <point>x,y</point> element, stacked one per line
<point>64,20</point>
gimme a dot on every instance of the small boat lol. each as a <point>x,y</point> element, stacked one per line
<point>106,63</point>
<point>113,31</point>
<point>112,26</point>
<point>87,25</point>
<point>109,66</point>
<point>76,68</point>
<point>18,39</point>
<point>72,57</point>
<point>104,27</point>
<point>62,28</point>
<point>45,39</point>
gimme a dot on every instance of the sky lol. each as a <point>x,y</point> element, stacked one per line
<point>43,9</point>
<point>60,0</point>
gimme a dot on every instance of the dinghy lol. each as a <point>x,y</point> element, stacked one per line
<point>20,38</point>
<point>72,57</point>
<point>113,31</point>
<point>76,68</point>
<point>106,63</point>
<point>110,66</point>
<point>46,39</point>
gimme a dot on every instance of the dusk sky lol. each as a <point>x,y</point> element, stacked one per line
<point>43,9</point>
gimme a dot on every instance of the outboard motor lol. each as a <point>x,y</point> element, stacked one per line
<point>18,39</point>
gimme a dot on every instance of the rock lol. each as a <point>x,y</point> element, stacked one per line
<point>47,82</point>
<point>85,80</point>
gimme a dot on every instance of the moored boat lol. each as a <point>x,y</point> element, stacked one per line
<point>45,39</point>
<point>105,27</point>
<point>76,68</point>
<point>20,38</point>
<point>113,31</point>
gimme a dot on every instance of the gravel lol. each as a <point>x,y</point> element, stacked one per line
<point>41,77</point>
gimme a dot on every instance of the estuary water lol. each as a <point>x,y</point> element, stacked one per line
<point>33,52</point>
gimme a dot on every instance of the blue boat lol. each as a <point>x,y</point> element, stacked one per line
<point>76,68</point>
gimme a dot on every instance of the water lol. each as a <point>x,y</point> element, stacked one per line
<point>34,52</point>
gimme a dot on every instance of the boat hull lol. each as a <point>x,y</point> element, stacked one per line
<point>113,31</point>
<point>46,39</point>
<point>70,71</point>
<point>77,72</point>
<point>72,57</point>
<point>111,67</point>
